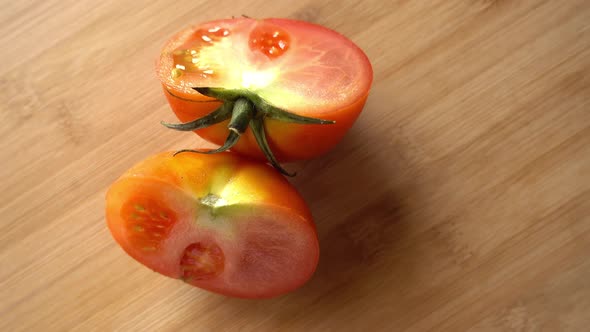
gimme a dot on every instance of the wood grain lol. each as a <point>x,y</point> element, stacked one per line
<point>460,200</point>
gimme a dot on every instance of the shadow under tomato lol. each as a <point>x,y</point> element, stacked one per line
<point>360,202</point>
<point>363,195</point>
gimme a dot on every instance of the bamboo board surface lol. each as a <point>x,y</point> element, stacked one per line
<point>459,201</point>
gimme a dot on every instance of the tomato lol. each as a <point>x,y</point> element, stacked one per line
<point>219,222</point>
<point>302,86</point>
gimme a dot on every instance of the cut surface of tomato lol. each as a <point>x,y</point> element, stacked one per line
<point>298,67</point>
<point>218,222</point>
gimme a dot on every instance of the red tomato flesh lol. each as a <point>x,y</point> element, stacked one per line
<point>217,222</point>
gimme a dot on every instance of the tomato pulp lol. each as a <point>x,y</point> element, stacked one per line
<point>303,69</point>
<point>218,222</point>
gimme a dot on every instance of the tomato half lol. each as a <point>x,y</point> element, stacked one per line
<point>306,70</point>
<point>219,222</point>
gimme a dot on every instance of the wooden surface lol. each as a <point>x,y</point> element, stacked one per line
<point>459,201</point>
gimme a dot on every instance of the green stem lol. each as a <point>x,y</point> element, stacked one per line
<point>241,114</point>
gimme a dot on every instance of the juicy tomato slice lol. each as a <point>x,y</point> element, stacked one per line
<point>300,67</point>
<point>218,222</point>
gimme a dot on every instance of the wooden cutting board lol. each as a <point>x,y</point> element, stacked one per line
<point>459,201</point>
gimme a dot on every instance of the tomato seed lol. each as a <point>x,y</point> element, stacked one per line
<point>176,73</point>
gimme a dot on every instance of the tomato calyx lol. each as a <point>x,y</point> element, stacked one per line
<point>244,108</point>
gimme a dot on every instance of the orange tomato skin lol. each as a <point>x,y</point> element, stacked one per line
<point>289,142</point>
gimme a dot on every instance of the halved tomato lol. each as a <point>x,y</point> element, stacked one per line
<point>298,86</point>
<point>219,222</point>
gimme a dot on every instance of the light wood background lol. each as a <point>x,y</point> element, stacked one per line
<point>459,201</point>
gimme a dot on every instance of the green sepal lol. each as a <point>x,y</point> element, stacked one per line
<point>282,115</point>
<point>222,113</point>
<point>221,93</point>
<point>257,126</point>
<point>261,105</point>
<point>245,108</point>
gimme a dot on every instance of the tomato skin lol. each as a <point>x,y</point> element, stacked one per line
<point>289,142</point>
<point>155,211</point>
